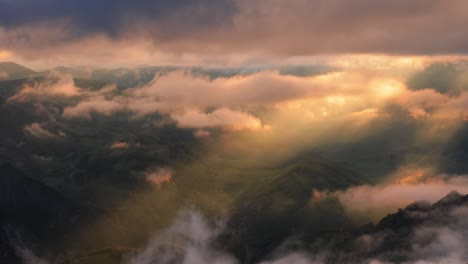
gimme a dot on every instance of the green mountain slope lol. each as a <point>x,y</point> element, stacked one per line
<point>285,206</point>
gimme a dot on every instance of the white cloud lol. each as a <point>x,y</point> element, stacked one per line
<point>98,104</point>
<point>223,117</point>
<point>61,85</point>
<point>186,241</point>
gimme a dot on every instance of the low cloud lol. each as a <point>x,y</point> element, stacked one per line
<point>364,203</point>
<point>380,200</point>
<point>120,145</point>
<point>62,86</point>
<point>98,104</point>
<point>159,176</point>
<point>352,97</point>
<point>201,133</point>
<point>223,117</point>
<point>38,130</point>
<point>425,234</point>
<point>264,88</point>
<point>296,258</point>
<point>28,257</point>
<point>186,97</point>
<point>187,241</point>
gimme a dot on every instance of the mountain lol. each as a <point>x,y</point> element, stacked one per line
<point>274,211</point>
<point>31,210</point>
<point>11,70</point>
<point>125,78</point>
<point>69,71</point>
<point>11,87</point>
<point>7,251</point>
<point>417,232</point>
<point>435,233</point>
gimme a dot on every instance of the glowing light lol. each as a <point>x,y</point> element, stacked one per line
<point>5,54</point>
<point>412,176</point>
<point>337,100</point>
<point>388,88</point>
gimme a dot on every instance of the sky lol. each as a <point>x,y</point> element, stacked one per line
<point>225,32</point>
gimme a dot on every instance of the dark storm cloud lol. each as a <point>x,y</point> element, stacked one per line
<point>446,78</point>
<point>110,16</point>
<point>228,29</point>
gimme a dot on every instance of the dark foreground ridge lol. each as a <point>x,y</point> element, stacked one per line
<point>31,212</point>
<point>420,231</point>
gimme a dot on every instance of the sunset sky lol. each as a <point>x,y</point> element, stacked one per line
<point>226,32</point>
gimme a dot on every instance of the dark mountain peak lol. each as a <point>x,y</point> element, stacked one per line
<point>419,206</point>
<point>420,212</point>
<point>451,199</point>
<point>76,73</point>
<point>281,208</point>
<point>401,236</point>
<point>13,66</point>
<point>12,70</point>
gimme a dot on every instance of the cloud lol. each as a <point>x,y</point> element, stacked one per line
<point>236,27</point>
<point>38,130</point>
<point>352,96</point>
<point>159,176</point>
<point>57,85</point>
<point>436,235</point>
<point>201,133</point>
<point>5,54</point>
<point>317,107</point>
<point>378,200</point>
<point>296,258</point>
<point>98,104</point>
<point>222,117</point>
<point>262,88</point>
<point>184,97</point>
<point>28,257</point>
<point>112,17</point>
<point>419,233</point>
<point>120,145</point>
<point>444,77</point>
<point>188,241</point>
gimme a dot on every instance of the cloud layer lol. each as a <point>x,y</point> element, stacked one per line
<point>210,30</point>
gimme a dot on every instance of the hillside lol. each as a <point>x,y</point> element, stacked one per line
<point>22,199</point>
<point>274,210</point>
<point>11,70</point>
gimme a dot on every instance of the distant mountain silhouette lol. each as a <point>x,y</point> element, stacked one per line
<point>11,70</point>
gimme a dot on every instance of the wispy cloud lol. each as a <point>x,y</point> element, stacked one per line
<point>38,130</point>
